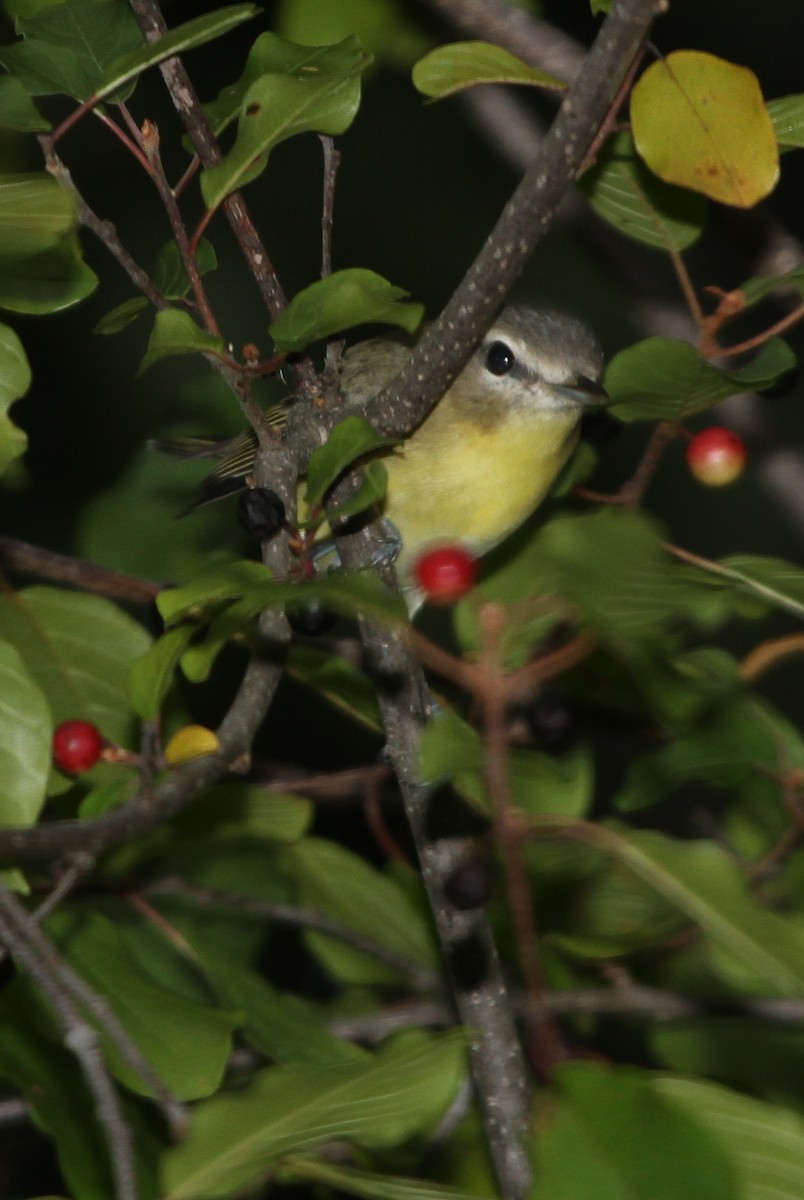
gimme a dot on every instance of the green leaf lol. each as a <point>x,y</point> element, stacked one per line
<point>367,1184</point>
<point>186,1043</point>
<point>48,282</point>
<point>700,122</point>
<point>611,1132</point>
<point>36,213</point>
<point>758,288</point>
<point>623,592</point>
<point>614,913</point>
<point>341,301</point>
<point>175,332</point>
<point>170,274</point>
<point>623,192</point>
<point>351,439</point>
<point>235,1139</point>
<point>772,581</point>
<point>342,683</point>
<point>755,946</point>
<point>132,525</point>
<point>26,731</point>
<point>17,9</point>
<point>41,269</point>
<point>15,379</point>
<point>450,69</point>
<point>240,809</point>
<point>765,1142</point>
<point>370,491</point>
<point>121,316</point>
<point>725,747</point>
<point>322,98</point>
<point>68,47</point>
<point>386,27</point>
<point>333,880</point>
<point>272,55</point>
<point>152,675</point>
<point>225,583</point>
<point>196,32</point>
<point>660,379</point>
<point>280,1025</point>
<point>350,593</point>
<point>79,649</point>
<point>787,116</point>
<point>450,748</point>
<point>17,110</point>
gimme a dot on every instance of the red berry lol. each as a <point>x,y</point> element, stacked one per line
<point>716,456</point>
<point>77,746</point>
<point>445,574</point>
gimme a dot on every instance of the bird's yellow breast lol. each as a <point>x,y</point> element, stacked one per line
<point>457,480</point>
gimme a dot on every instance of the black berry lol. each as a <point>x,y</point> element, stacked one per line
<point>261,513</point>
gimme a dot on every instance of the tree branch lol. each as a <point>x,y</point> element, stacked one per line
<point>32,950</point>
<point>447,344</point>
<point>46,564</point>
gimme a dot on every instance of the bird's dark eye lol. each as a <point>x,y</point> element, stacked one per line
<point>500,358</point>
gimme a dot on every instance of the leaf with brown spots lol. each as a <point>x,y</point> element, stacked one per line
<point>701,122</point>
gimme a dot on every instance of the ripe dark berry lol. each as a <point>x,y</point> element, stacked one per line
<point>445,574</point>
<point>551,721</point>
<point>716,456</point>
<point>261,513</point>
<point>77,746</point>
<point>470,885</point>
<point>311,619</point>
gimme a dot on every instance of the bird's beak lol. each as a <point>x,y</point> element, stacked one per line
<point>583,391</point>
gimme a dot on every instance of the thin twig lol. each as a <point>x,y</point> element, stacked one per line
<point>32,950</point>
<point>544,1042</point>
<point>189,108</point>
<point>77,572</point>
<point>298,918</point>
<point>331,160</point>
<point>103,230</point>
<point>150,143</point>
<point>635,1001</point>
<point>69,877</point>
<point>79,991</point>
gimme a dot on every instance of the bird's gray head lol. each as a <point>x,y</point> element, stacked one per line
<point>532,356</point>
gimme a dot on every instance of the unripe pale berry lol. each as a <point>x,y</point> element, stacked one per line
<point>190,742</point>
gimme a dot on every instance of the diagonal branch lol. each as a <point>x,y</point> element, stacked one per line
<point>447,344</point>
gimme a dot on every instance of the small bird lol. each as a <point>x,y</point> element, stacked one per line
<point>490,450</point>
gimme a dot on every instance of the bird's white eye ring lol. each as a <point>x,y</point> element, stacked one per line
<point>500,358</point>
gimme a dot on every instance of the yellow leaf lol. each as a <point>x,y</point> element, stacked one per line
<point>193,741</point>
<point>701,122</point>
